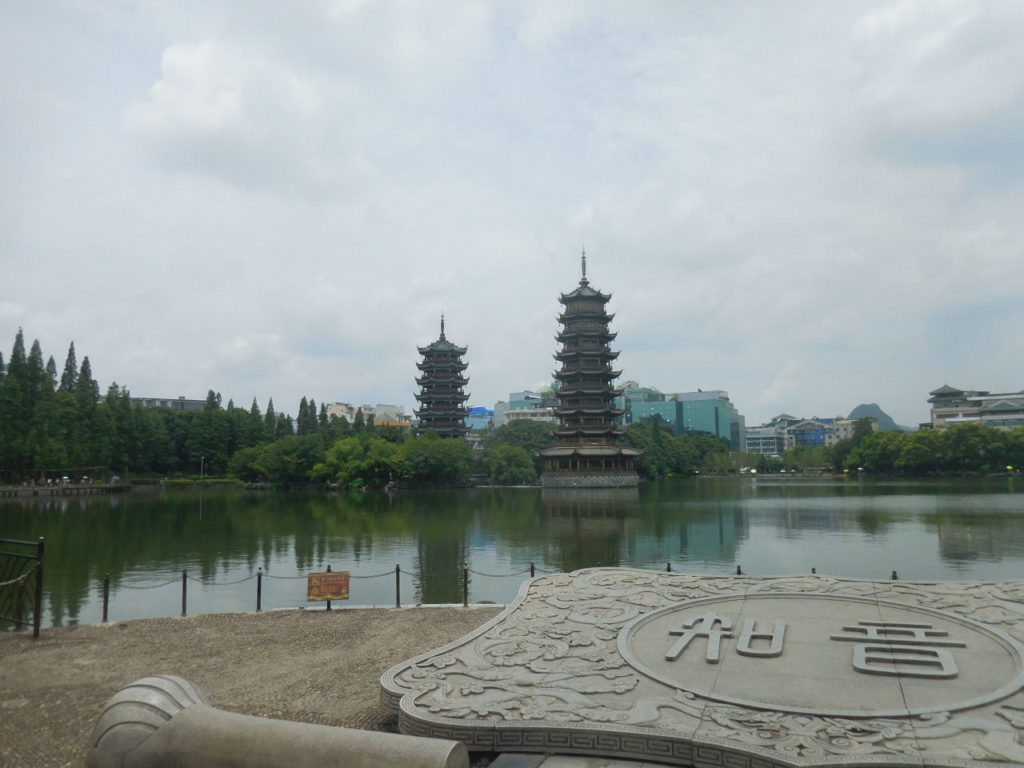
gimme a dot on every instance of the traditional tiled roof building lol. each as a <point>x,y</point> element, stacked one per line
<point>588,453</point>
<point>442,397</point>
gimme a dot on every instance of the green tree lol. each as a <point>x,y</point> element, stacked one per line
<point>290,460</point>
<point>878,452</point>
<point>921,453</point>
<point>283,428</point>
<point>804,457</point>
<point>509,465</point>
<point>269,422</point>
<point>360,462</point>
<point>247,464</point>
<point>69,378</point>
<point>532,436</point>
<point>432,460</point>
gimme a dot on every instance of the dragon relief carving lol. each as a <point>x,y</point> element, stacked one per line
<point>553,658</point>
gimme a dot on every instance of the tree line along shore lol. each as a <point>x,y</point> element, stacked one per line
<point>56,425</point>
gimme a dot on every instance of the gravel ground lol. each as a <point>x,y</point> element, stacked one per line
<point>309,666</point>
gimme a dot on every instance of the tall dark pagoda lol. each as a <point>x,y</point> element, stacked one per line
<point>441,396</point>
<point>588,453</point>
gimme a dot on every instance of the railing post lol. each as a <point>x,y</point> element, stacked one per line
<point>398,586</point>
<point>328,602</point>
<point>259,588</point>
<point>465,586</point>
<point>37,618</point>
<point>668,567</point>
<point>531,570</point>
<point>106,596</point>
<point>184,591</point>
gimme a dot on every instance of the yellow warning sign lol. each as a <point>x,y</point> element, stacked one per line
<point>330,585</point>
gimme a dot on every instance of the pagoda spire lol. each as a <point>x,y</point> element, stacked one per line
<point>442,327</point>
<point>583,266</point>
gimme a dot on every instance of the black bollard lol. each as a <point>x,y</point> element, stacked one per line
<point>894,576</point>
<point>328,602</point>
<point>184,592</point>
<point>106,596</point>
<point>398,586</point>
<point>668,567</point>
<point>465,587</point>
<point>259,589</point>
<point>739,571</point>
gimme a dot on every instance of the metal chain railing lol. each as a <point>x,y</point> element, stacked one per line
<point>397,572</point>
<point>19,579</point>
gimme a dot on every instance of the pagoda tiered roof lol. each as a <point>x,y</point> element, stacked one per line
<point>441,385</point>
<point>588,430</point>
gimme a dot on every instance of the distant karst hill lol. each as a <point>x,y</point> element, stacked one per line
<point>885,421</point>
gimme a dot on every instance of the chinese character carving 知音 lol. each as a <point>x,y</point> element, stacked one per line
<point>911,650</point>
<point>715,627</point>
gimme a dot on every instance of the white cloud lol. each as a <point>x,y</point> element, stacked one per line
<point>784,200</point>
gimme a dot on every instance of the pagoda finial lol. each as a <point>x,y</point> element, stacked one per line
<point>583,262</point>
<point>442,327</point>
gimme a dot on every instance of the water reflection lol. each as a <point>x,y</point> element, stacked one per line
<point>925,530</point>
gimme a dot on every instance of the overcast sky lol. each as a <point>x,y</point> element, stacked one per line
<point>809,205</point>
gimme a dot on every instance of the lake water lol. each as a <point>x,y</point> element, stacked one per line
<point>924,530</point>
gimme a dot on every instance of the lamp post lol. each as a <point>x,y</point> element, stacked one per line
<point>202,467</point>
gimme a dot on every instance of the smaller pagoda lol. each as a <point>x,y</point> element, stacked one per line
<point>589,452</point>
<point>442,397</point>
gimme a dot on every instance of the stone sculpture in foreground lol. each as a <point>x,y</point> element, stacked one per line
<point>164,721</point>
<point>738,671</point>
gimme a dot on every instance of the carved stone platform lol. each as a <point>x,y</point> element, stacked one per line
<point>733,671</point>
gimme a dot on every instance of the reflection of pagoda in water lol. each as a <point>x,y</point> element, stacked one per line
<point>442,397</point>
<point>588,453</point>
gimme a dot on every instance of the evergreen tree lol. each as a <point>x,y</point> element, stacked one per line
<point>269,422</point>
<point>253,431</point>
<point>39,383</point>
<point>212,401</point>
<point>3,369</point>
<point>51,371</point>
<point>69,378</point>
<point>124,443</point>
<point>322,418</point>
<point>302,420</point>
<point>87,391</point>
<point>14,416</point>
<point>18,358</point>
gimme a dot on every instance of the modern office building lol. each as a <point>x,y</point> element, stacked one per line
<point>174,404</point>
<point>785,432</point>
<point>526,405</point>
<point>711,412</point>
<point>951,406</point>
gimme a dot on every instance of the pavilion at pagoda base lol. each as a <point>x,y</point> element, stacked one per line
<point>589,466</point>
